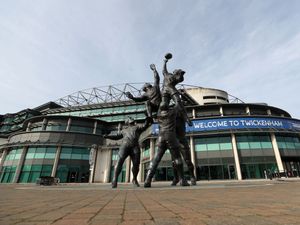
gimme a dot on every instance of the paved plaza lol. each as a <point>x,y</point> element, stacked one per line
<point>246,202</point>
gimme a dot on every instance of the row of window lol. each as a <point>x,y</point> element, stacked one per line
<point>41,153</point>
<point>106,111</point>
<point>213,144</point>
<point>7,174</point>
<point>30,173</point>
<point>286,143</point>
<point>14,154</point>
<point>120,118</point>
<point>253,142</point>
<point>74,153</point>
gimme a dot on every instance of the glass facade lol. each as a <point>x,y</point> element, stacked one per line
<point>73,165</point>
<point>38,162</point>
<point>82,126</point>
<point>257,157</point>
<point>214,158</point>
<point>289,147</point>
<point>10,165</point>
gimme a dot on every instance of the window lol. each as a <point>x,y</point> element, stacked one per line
<point>251,141</point>
<point>288,142</point>
<point>209,97</point>
<point>212,143</point>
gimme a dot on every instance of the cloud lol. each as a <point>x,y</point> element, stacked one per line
<point>52,48</point>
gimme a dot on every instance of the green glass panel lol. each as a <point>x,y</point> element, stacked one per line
<point>290,145</point>
<point>66,150</point>
<point>5,178</point>
<point>242,138</point>
<point>65,156</point>
<point>297,145</point>
<point>45,173</point>
<point>281,145</point>
<point>24,177</point>
<point>76,156</point>
<point>34,176</point>
<point>85,157</point>
<point>212,140</point>
<point>200,147</point>
<point>200,140</point>
<point>213,147</point>
<point>243,145</point>
<point>13,168</point>
<point>47,168</point>
<point>115,157</point>
<point>266,145</point>
<point>26,168</point>
<point>40,153</point>
<point>225,146</point>
<point>17,156</point>
<point>36,168</point>
<point>255,145</point>
<point>51,150</point>
<point>50,154</point>
<point>77,151</point>
<point>265,138</point>
<point>30,156</point>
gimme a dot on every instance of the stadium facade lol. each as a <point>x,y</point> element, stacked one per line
<point>229,139</point>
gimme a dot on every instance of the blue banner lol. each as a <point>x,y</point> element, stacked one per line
<point>239,123</point>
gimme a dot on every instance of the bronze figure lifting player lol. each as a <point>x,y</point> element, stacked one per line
<point>167,140</point>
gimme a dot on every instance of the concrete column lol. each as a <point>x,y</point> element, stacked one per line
<point>277,153</point>
<point>56,160</point>
<point>95,127</point>
<point>45,121</point>
<point>248,110</point>
<point>193,155</point>
<point>108,166</point>
<point>28,126</point>
<point>221,111</point>
<point>194,113</point>
<point>93,156</point>
<point>236,157</point>
<point>20,164</point>
<point>152,148</point>
<point>269,112</point>
<point>128,170</point>
<point>4,154</point>
<point>69,124</point>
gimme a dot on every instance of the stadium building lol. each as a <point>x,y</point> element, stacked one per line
<point>229,139</point>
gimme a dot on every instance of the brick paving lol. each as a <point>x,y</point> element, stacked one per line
<point>255,202</point>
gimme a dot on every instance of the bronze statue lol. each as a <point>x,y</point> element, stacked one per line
<point>184,149</point>
<point>167,140</point>
<point>169,90</point>
<point>152,96</point>
<point>130,147</point>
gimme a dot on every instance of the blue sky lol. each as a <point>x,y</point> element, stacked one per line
<point>49,49</point>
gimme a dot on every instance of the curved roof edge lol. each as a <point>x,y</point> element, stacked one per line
<point>115,93</point>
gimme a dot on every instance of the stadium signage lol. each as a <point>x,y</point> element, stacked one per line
<point>239,123</point>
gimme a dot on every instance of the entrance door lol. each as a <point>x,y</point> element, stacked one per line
<point>72,176</point>
<point>231,171</point>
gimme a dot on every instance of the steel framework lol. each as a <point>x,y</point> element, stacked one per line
<point>113,93</point>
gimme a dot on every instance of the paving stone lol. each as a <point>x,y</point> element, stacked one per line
<point>210,203</point>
